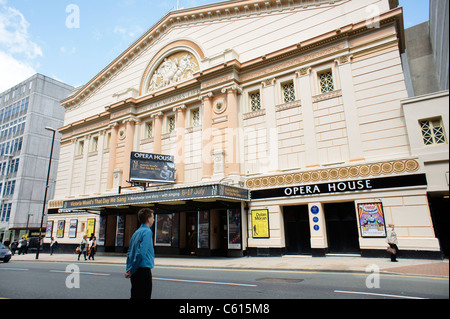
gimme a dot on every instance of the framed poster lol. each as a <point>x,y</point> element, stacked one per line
<point>90,228</point>
<point>49,229</point>
<point>371,220</point>
<point>102,231</point>
<point>146,167</point>
<point>120,230</point>
<point>60,229</point>
<point>203,229</point>
<point>234,229</point>
<point>73,224</point>
<point>163,229</point>
<point>260,223</point>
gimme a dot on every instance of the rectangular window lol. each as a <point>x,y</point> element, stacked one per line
<point>432,131</point>
<point>148,130</point>
<point>80,149</point>
<point>255,101</point>
<point>195,118</point>
<point>326,82</point>
<point>107,142</point>
<point>94,145</point>
<point>171,124</point>
<point>288,92</point>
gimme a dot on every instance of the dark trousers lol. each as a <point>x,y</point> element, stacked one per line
<point>394,256</point>
<point>141,284</point>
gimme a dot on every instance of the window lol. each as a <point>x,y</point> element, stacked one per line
<point>288,92</point>
<point>80,149</point>
<point>94,145</point>
<point>107,142</point>
<point>432,132</point>
<point>170,124</point>
<point>148,130</point>
<point>195,118</point>
<point>255,101</point>
<point>326,82</point>
<point>5,212</point>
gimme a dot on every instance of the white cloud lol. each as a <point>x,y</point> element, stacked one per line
<point>18,53</point>
<point>14,35</point>
<point>13,71</point>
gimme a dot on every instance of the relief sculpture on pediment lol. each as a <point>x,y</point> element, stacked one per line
<point>172,70</point>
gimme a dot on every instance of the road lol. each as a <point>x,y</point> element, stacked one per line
<point>53,280</point>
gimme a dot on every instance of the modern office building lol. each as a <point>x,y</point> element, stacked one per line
<point>250,127</point>
<point>25,110</point>
<point>426,65</point>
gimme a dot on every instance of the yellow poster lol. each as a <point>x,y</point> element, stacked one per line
<point>260,223</point>
<point>90,228</point>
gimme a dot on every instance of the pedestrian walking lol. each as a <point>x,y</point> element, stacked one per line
<point>83,247</point>
<point>141,257</point>
<point>92,247</point>
<point>392,242</point>
<point>52,245</point>
<point>23,246</point>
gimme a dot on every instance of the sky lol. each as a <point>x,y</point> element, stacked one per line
<point>73,40</point>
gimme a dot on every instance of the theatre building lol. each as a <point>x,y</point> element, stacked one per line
<point>251,128</point>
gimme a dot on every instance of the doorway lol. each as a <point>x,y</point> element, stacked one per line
<point>297,231</point>
<point>342,228</point>
<point>439,212</point>
<point>191,233</point>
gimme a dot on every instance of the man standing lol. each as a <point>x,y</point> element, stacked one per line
<point>141,257</point>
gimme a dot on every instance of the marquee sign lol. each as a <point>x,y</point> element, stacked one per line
<point>166,195</point>
<point>341,187</point>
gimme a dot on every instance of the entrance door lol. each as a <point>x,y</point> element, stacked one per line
<point>439,212</point>
<point>342,228</point>
<point>191,232</point>
<point>296,225</point>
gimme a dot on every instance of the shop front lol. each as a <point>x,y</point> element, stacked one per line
<point>205,220</point>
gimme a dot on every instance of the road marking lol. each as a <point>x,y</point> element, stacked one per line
<point>374,294</point>
<point>302,271</point>
<point>20,269</point>
<point>206,282</point>
<point>81,273</point>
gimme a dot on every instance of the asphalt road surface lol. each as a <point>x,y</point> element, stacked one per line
<point>51,280</point>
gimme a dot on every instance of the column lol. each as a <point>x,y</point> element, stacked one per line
<point>207,137</point>
<point>157,127</point>
<point>232,146</point>
<point>269,103</point>
<point>112,155</point>
<point>179,155</point>
<point>84,166</point>
<point>308,119</point>
<point>129,141</point>
<point>73,148</point>
<point>350,110</point>
<point>100,148</point>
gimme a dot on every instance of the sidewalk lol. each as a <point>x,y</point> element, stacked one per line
<point>422,267</point>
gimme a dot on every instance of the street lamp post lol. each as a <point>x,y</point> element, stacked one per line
<point>46,190</point>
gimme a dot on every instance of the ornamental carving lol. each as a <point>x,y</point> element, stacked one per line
<point>174,69</point>
<point>374,169</point>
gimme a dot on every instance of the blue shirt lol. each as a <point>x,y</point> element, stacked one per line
<point>141,253</point>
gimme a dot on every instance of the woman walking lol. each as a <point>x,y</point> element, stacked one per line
<point>92,247</point>
<point>392,242</point>
<point>83,248</point>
